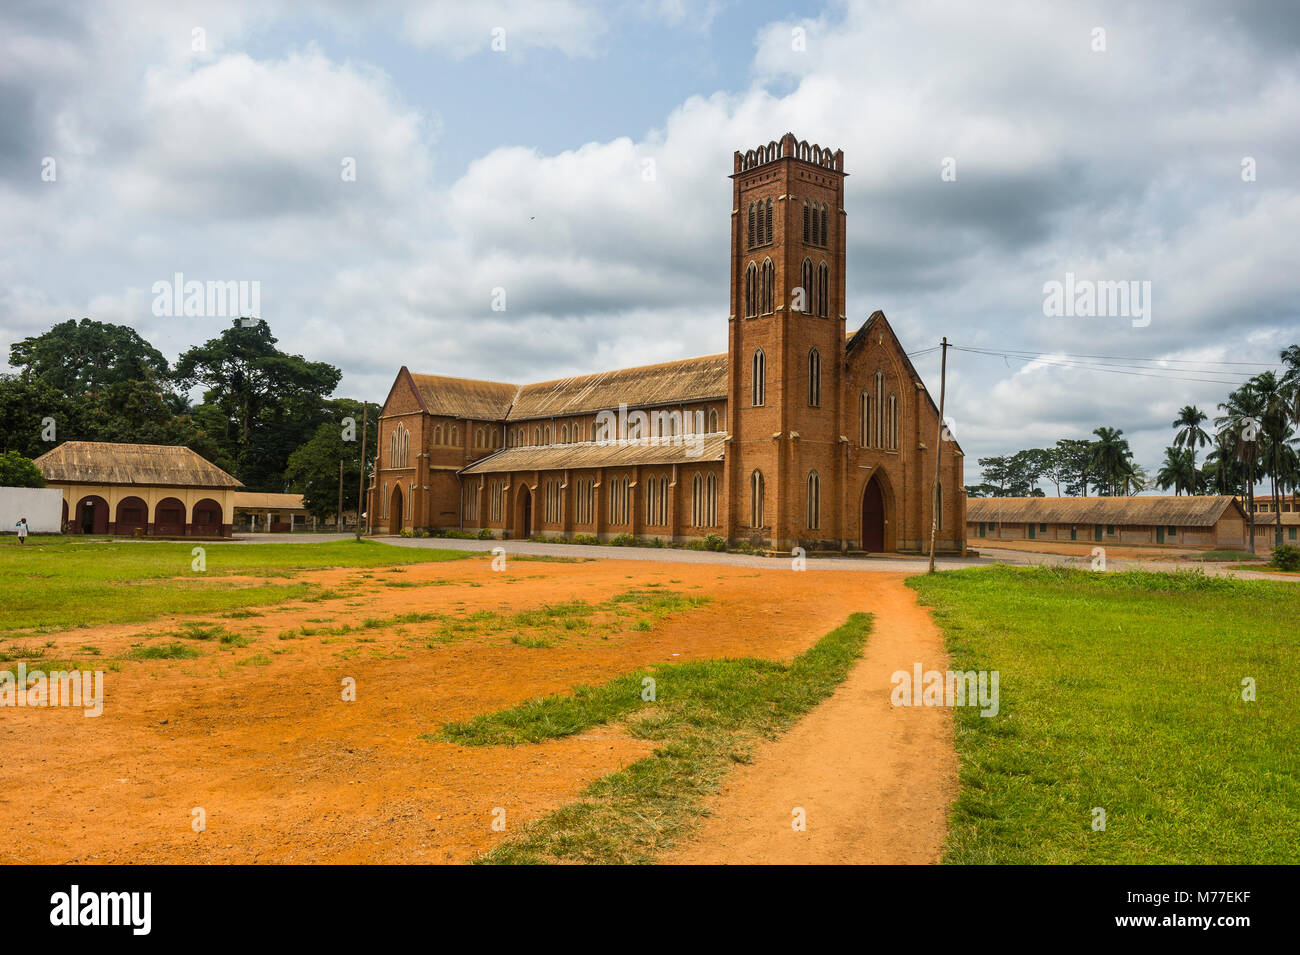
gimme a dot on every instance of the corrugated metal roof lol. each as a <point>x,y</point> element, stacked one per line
<point>1289,518</point>
<point>595,454</point>
<point>1182,511</point>
<point>667,383</point>
<point>259,500</point>
<point>673,382</point>
<point>465,397</point>
<point>102,462</point>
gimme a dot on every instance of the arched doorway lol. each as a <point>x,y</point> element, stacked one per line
<point>206,521</point>
<point>92,515</point>
<point>132,516</point>
<point>395,510</point>
<point>169,518</point>
<point>526,512</point>
<point>873,518</point>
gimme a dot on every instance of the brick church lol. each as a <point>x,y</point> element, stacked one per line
<point>800,435</point>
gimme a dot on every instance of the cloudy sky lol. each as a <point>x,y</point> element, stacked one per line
<point>992,148</point>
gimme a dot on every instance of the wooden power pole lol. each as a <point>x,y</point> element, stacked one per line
<point>938,450</point>
<point>339,513</point>
<point>361,482</point>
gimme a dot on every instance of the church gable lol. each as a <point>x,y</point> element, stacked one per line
<point>403,397</point>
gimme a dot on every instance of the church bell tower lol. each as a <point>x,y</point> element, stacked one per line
<point>786,344</point>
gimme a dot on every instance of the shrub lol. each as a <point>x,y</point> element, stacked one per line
<point>714,542</point>
<point>1286,557</point>
<point>623,540</point>
<point>485,534</point>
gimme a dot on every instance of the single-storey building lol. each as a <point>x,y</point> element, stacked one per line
<point>259,512</point>
<point>1189,523</point>
<point>1266,528</point>
<point>141,490</point>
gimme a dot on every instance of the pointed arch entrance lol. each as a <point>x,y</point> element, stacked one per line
<point>525,513</point>
<point>873,516</point>
<point>395,510</point>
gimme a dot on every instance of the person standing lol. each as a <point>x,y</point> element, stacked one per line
<point>22,530</point>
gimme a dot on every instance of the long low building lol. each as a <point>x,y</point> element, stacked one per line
<point>1192,523</point>
<point>145,490</point>
<point>263,512</point>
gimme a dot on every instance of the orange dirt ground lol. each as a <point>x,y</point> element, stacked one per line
<point>287,772</point>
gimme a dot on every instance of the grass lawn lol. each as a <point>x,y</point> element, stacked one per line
<point>706,716</point>
<point>1124,691</point>
<point>53,583</point>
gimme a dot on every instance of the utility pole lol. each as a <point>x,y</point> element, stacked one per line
<point>361,482</point>
<point>938,451</point>
<point>340,510</point>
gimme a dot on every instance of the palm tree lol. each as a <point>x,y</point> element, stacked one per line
<point>1191,435</point>
<point>1110,461</point>
<point>1240,427</point>
<point>1275,426</point>
<point>1178,471</point>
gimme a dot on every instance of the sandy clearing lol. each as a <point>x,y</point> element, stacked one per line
<point>287,772</point>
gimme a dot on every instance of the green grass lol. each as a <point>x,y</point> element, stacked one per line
<point>1124,692</point>
<point>57,583</point>
<point>1217,555</point>
<point>706,716</point>
<point>164,651</point>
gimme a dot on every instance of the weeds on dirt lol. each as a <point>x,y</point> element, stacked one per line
<point>165,651</point>
<point>705,715</point>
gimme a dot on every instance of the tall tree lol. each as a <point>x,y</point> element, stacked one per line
<point>1075,455</point>
<point>1275,427</point>
<point>313,468</point>
<point>1240,426</point>
<point>1178,471</point>
<point>1189,433</point>
<point>88,356</point>
<point>1112,461</point>
<point>270,401</point>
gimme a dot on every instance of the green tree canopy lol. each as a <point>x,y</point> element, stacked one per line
<point>313,468</point>
<point>19,471</point>
<point>266,401</point>
<point>88,356</point>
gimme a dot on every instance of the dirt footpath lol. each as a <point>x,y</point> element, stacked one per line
<point>875,781</point>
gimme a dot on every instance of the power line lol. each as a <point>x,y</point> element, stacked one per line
<point>1135,371</point>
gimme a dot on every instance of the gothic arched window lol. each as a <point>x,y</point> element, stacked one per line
<point>751,290</point>
<point>891,422</point>
<point>823,290</point>
<point>806,283</point>
<point>756,499</point>
<point>769,287</point>
<point>814,501</point>
<point>814,378</point>
<point>759,378</point>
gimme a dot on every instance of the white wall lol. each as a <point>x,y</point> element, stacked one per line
<point>42,506</point>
